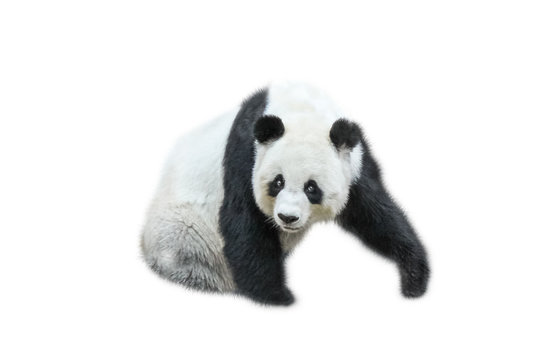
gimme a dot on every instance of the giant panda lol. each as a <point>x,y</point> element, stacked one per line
<point>238,194</point>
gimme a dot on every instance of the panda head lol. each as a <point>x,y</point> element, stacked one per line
<point>303,170</point>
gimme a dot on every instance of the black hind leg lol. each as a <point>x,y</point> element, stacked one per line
<point>374,217</point>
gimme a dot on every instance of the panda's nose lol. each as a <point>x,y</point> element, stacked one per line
<point>287,219</point>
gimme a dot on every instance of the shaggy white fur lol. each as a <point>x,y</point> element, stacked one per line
<point>181,240</point>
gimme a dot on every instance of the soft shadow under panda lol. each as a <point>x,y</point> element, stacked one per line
<point>239,193</point>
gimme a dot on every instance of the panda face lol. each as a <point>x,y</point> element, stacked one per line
<point>301,178</point>
<point>291,210</point>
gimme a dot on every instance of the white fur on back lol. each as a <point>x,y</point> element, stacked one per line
<point>286,99</point>
<point>194,170</point>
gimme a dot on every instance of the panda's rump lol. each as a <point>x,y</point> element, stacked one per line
<point>182,247</point>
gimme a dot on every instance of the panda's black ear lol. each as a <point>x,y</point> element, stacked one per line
<point>268,128</point>
<point>345,134</point>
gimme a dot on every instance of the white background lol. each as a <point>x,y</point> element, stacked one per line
<point>93,94</point>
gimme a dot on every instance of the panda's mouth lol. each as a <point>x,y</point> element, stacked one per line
<point>291,229</point>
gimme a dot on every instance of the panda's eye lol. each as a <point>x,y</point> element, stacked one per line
<point>313,192</point>
<point>276,185</point>
<point>279,181</point>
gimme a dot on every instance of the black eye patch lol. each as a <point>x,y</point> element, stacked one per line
<point>276,185</point>
<point>313,192</point>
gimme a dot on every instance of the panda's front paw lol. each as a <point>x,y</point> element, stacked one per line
<point>283,297</point>
<point>414,279</point>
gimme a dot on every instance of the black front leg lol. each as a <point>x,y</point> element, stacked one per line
<point>252,246</point>
<point>374,217</point>
<point>255,257</point>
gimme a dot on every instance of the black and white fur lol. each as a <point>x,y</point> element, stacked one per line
<point>237,196</point>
